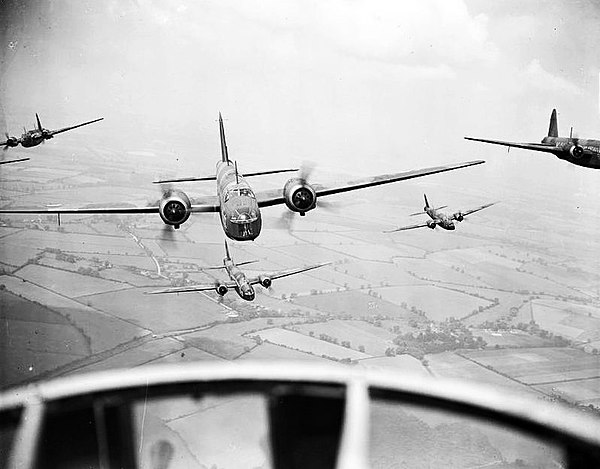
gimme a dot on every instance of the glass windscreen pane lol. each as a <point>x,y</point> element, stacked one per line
<point>213,431</point>
<point>9,424</point>
<point>410,436</point>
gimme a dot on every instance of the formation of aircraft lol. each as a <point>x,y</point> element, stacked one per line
<point>238,280</point>
<point>32,138</point>
<point>579,151</point>
<point>438,218</point>
<point>238,205</point>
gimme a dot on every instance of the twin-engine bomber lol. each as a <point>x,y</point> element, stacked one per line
<point>579,151</point>
<point>34,137</point>
<point>238,280</point>
<point>238,206</point>
<point>438,218</point>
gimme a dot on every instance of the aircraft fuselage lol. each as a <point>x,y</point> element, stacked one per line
<point>579,151</point>
<point>240,214</point>
<point>242,286</point>
<point>32,138</point>
<point>442,220</point>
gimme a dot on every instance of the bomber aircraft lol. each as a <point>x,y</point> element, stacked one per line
<point>32,138</point>
<point>579,151</point>
<point>237,204</point>
<point>238,280</point>
<point>438,218</point>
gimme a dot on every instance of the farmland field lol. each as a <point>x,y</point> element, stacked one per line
<point>352,303</point>
<point>584,392</point>
<point>539,365</point>
<point>303,343</point>
<point>75,243</point>
<point>560,319</point>
<point>400,364</point>
<point>374,339</point>
<point>67,283</point>
<point>438,303</point>
<point>103,330</point>
<point>453,366</point>
<point>267,351</point>
<point>158,312</point>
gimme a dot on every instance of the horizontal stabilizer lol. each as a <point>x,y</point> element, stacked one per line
<point>215,267</point>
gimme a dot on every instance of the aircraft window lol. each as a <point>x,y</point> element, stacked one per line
<point>69,438</point>
<point>406,435</point>
<point>210,431</point>
<point>9,423</point>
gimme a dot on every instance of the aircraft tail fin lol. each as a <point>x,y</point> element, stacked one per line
<point>553,129</point>
<point>39,124</point>
<point>426,201</point>
<point>224,154</point>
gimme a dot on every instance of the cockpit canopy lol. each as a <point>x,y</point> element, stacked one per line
<point>284,416</point>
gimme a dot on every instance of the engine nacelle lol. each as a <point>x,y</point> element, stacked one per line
<point>431,224</point>
<point>458,216</point>
<point>576,151</point>
<point>299,196</point>
<point>11,142</point>
<point>174,208</point>
<point>265,281</point>
<point>221,289</point>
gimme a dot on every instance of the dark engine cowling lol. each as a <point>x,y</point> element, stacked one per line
<point>11,141</point>
<point>174,207</point>
<point>299,196</point>
<point>576,151</point>
<point>458,216</point>
<point>221,289</point>
<point>431,224</point>
<point>265,281</point>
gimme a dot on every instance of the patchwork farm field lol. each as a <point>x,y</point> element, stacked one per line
<point>438,303</point>
<point>453,366</point>
<point>581,391</point>
<point>158,312</point>
<point>67,283</point>
<point>353,303</point>
<point>539,365</point>
<point>375,340</point>
<point>267,351</point>
<point>304,343</point>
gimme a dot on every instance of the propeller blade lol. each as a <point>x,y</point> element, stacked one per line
<point>286,221</point>
<point>306,170</point>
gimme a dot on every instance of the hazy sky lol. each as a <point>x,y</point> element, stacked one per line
<point>348,83</point>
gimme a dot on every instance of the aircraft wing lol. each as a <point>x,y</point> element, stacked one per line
<point>275,197</point>
<point>94,209</point>
<point>13,161</point>
<point>288,272</point>
<point>546,147</point>
<point>409,227</point>
<point>64,129</point>
<point>191,288</point>
<point>473,210</point>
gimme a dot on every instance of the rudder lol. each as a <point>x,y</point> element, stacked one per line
<point>553,129</point>
<point>224,153</point>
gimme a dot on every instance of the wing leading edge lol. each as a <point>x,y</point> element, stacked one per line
<point>64,129</point>
<point>473,210</point>
<point>545,147</point>
<point>267,199</point>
